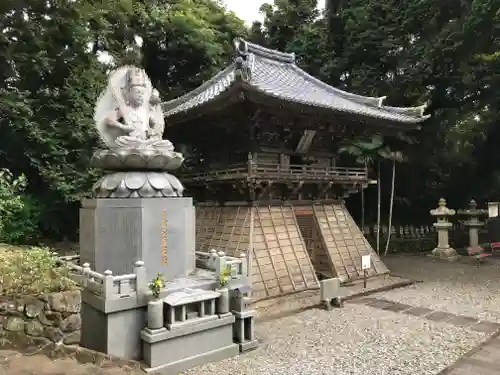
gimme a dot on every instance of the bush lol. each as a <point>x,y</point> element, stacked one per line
<point>19,214</point>
<point>32,271</point>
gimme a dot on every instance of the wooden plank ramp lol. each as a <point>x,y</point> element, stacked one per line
<point>281,263</point>
<point>345,242</point>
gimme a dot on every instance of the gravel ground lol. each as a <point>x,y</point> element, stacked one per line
<point>354,340</point>
<point>458,288</point>
<point>288,305</point>
<point>358,339</point>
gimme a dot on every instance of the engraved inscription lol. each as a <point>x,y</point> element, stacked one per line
<point>164,232</point>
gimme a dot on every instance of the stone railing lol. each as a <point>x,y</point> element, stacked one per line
<point>206,260</point>
<point>218,261</point>
<point>110,287</point>
<point>106,285</point>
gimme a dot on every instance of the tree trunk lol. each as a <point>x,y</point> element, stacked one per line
<point>378,207</point>
<point>362,209</point>
<point>391,205</point>
<point>363,205</point>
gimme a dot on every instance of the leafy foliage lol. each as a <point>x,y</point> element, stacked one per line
<point>53,64</point>
<point>156,285</point>
<point>379,48</point>
<point>225,276</point>
<point>55,56</point>
<point>32,271</point>
<point>18,213</point>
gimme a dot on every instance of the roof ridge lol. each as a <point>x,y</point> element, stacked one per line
<point>373,101</point>
<point>368,100</point>
<point>181,99</point>
<point>244,48</point>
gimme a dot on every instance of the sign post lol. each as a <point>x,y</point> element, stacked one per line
<point>365,266</point>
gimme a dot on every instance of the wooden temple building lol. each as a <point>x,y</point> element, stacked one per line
<point>261,139</point>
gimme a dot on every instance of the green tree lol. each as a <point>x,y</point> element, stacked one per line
<point>383,48</point>
<point>369,151</point>
<point>52,71</point>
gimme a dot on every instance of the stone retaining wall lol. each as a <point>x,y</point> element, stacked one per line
<point>35,321</point>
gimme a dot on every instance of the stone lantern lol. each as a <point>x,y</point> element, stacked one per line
<point>443,226</point>
<point>473,223</point>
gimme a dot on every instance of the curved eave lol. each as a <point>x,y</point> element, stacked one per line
<point>204,93</point>
<point>240,91</point>
<point>379,113</point>
<point>286,83</point>
<point>413,114</point>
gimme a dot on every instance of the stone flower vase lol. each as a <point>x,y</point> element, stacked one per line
<point>155,314</point>
<point>223,301</point>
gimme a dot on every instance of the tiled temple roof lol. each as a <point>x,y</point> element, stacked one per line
<point>275,74</point>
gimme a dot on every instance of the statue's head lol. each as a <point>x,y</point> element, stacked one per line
<point>136,86</point>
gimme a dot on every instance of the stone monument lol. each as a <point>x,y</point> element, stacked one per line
<point>473,223</point>
<point>137,225</point>
<point>443,249</point>
<point>138,212</point>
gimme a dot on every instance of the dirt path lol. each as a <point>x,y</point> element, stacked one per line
<point>13,363</point>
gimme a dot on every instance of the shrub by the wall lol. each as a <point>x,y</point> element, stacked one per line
<point>32,271</point>
<point>19,214</point>
<point>39,303</point>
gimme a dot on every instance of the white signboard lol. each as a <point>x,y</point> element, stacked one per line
<point>365,262</point>
<point>492,209</point>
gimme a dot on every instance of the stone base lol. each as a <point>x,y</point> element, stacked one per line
<point>175,368</point>
<point>449,254</point>
<point>137,184</point>
<point>115,233</point>
<point>103,321</point>
<point>248,346</point>
<point>172,352</point>
<point>329,289</point>
<point>114,334</point>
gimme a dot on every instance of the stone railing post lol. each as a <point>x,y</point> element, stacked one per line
<point>141,282</point>
<point>108,285</point>
<point>213,259</point>
<point>85,274</point>
<point>443,226</point>
<point>473,223</point>
<point>244,264</point>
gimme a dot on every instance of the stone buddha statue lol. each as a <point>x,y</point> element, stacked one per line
<point>128,113</point>
<point>136,159</point>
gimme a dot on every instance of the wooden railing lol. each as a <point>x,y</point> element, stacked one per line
<point>314,172</point>
<point>291,172</point>
<point>234,171</point>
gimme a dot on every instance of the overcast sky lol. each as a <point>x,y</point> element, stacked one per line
<point>248,10</point>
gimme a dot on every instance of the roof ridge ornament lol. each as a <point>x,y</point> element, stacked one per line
<point>245,62</point>
<point>244,66</point>
<point>241,45</point>
<point>245,48</point>
<point>381,101</point>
